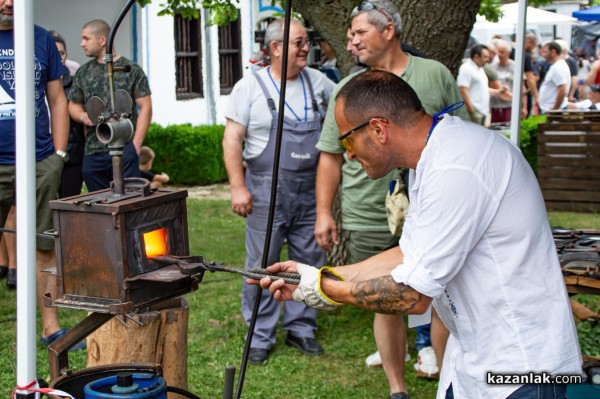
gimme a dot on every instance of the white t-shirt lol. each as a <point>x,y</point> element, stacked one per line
<point>477,240</point>
<point>558,74</point>
<point>475,79</point>
<point>506,75</point>
<point>248,105</point>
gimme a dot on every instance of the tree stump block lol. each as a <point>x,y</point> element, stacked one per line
<point>157,336</point>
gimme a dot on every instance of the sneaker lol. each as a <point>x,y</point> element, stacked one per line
<point>399,395</point>
<point>374,359</point>
<point>53,337</point>
<point>427,366</point>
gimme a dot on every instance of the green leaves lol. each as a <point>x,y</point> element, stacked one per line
<point>222,12</point>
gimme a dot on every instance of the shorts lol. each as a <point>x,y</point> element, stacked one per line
<point>47,180</point>
<point>501,115</point>
<point>477,117</point>
<point>361,245</point>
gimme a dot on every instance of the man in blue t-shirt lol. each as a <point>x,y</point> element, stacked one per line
<point>51,134</point>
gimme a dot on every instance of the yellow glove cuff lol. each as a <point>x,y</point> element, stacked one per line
<point>328,270</point>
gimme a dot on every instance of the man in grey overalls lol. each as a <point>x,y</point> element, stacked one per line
<point>250,136</point>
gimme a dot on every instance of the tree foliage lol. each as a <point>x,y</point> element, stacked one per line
<point>225,11</point>
<point>439,29</point>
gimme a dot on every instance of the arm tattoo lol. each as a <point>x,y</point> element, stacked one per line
<point>384,295</point>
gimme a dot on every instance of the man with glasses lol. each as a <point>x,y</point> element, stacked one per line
<point>476,244</point>
<point>250,135</point>
<point>376,28</point>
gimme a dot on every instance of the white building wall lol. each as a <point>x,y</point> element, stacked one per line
<point>68,16</point>
<point>158,32</point>
<point>567,8</point>
<point>153,44</point>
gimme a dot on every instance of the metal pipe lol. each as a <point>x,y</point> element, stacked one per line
<point>25,166</point>
<point>228,384</point>
<point>271,217</point>
<point>118,182</point>
<point>515,113</point>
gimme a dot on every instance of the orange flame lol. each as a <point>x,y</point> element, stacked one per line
<point>156,243</point>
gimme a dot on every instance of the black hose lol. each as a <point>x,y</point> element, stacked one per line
<point>265,258</point>
<point>182,392</point>
<point>115,26</point>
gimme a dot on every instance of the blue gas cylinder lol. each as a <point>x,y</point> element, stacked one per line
<point>127,386</point>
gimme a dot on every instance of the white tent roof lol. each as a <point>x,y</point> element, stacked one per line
<point>535,16</point>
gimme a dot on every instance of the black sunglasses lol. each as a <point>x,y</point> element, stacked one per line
<point>368,6</point>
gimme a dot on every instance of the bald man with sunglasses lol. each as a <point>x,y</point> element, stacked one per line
<point>375,29</point>
<point>476,244</point>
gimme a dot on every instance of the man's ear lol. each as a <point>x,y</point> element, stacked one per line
<point>275,48</point>
<point>381,129</point>
<point>103,41</point>
<point>390,31</point>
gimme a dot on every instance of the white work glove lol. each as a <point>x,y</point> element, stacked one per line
<point>309,290</point>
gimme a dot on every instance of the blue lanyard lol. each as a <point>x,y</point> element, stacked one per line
<point>286,104</point>
<point>448,109</point>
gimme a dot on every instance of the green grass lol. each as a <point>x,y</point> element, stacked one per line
<point>216,329</point>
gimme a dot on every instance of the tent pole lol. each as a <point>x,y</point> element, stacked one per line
<point>25,171</point>
<point>515,115</point>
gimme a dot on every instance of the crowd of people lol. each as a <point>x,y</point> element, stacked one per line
<point>378,123</point>
<point>482,265</point>
<point>68,152</point>
<point>554,78</point>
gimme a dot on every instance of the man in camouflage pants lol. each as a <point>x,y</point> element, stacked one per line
<point>90,80</point>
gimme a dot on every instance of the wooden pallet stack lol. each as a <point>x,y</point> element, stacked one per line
<point>569,161</point>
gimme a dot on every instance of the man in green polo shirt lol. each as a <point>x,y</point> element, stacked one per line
<point>376,28</point>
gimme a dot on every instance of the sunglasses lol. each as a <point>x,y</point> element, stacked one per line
<point>300,43</point>
<point>368,6</point>
<point>346,140</point>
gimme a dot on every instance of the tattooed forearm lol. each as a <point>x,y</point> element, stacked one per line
<point>384,295</point>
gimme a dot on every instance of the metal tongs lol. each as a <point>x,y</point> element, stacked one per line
<point>192,265</point>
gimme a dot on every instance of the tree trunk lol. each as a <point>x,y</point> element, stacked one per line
<point>440,29</point>
<point>156,337</point>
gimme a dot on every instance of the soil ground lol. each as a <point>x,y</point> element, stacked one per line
<point>215,191</point>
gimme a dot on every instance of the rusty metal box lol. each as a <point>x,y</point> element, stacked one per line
<point>101,260</point>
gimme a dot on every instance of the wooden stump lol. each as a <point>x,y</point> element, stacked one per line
<point>158,336</point>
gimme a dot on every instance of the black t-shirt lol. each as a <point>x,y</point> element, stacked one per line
<point>527,65</point>
<point>572,63</point>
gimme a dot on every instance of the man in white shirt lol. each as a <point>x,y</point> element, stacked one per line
<point>476,243</point>
<point>473,84</point>
<point>505,68</point>
<point>556,84</point>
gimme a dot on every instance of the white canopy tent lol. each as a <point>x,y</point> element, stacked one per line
<point>535,16</point>
<point>508,23</point>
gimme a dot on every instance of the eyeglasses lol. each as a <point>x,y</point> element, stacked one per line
<point>368,6</point>
<point>345,139</point>
<point>299,43</point>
